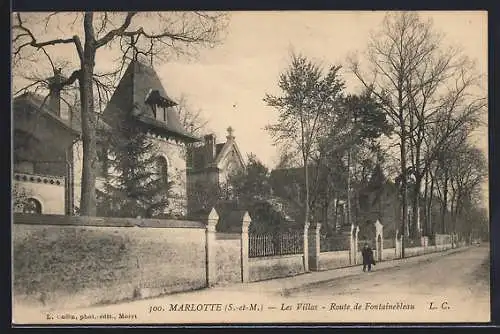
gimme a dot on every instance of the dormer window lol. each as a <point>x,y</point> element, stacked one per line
<point>154,107</point>
<point>159,105</point>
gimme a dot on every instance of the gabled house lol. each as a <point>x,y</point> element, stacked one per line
<point>209,166</point>
<point>46,137</point>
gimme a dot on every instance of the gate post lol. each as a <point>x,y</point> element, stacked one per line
<point>306,247</point>
<point>314,247</point>
<point>379,240</point>
<point>210,265</point>
<point>245,224</point>
<point>354,244</point>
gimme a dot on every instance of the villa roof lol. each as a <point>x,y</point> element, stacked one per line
<point>139,85</point>
<point>73,124</point>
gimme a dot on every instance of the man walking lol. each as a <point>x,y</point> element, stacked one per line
<point>368,259</point>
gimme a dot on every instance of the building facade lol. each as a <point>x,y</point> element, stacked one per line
<point>209,167</point>
<point>48,153</point>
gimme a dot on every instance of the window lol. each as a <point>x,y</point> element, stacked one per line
<point>32,206</point>
<point>162,169</point>
<point>160,113</point>
<point>159,105</point>
<point>153,106</point>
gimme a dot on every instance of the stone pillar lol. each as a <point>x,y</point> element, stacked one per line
<point>379,240</point>
<point>397,245</point>
<point>210,265</point>
<point>245,224</point>
<point>314,247</point>
<point>306,248</point>
<point>353,255</point>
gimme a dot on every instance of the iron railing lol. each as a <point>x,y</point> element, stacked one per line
<point>274,244</point>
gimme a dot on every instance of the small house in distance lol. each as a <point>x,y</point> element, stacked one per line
<point>209,167</point>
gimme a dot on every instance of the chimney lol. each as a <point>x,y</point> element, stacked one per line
<point>210,148</point>
<point>230,131</point>
<point>54,100</point>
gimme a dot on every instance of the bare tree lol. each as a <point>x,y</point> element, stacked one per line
<point>192,119</point>
<point>445,137</point>
<point>151,35</point>
<point>468,170</point>
<point>416,81</point>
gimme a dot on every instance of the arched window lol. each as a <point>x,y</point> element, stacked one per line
<point>32,206</point>
<point>162,169</point>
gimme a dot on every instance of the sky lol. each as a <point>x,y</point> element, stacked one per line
<point>229,81</point>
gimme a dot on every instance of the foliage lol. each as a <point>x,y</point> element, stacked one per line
<point>422,86</point>
<point>309,97</point>
<point>204,195</point>
<point>19,197</point>
<point>137,184</point>
<point>252,182</point>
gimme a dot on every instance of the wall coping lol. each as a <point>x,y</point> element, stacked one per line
<point>331,252</point>
<point>30,219</point>
<point>227,236</point>
<point>274,257</point>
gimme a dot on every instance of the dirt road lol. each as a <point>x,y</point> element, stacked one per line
<point>439,288</point>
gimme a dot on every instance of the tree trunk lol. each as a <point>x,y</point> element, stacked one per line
<point>326,204</point>
<point>336,218</point>
<point>429,209</point>
<point>89,140</point>
<point>404,192</point>
<point>349,217</point>
<point>444,206</point>
<point>306,178</point>
<point>425,227</point>
<point>415,228</point>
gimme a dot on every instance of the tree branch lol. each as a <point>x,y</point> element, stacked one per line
<point>36,44</point>
<point>116,32</point>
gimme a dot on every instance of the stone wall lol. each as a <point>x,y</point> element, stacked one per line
<point>57,265</point>
<point>228,258</point>
<point>332,260</point>
<point>176,158</point>
<point>389,254</point>
<point>263,268</point>
<point>416,251</point>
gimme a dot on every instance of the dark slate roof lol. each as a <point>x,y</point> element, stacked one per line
<point>218,148</point>
<point>135,87</point>
<point>39,102</point>
<point>197,155</point>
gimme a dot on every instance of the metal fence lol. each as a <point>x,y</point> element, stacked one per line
<point>276,244</point>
